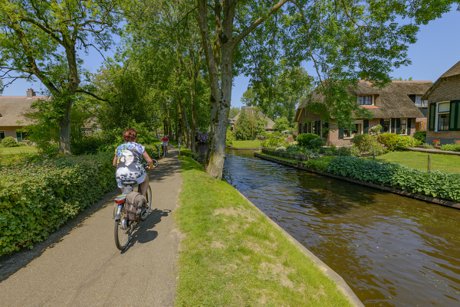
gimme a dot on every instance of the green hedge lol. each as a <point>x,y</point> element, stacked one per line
<point>434,184</point>
<point>36,199</point>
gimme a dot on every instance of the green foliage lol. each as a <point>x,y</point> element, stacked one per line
<point>230,137</point>
<point>9,141</point>
<point>394,141</point>
<point>451,147</point>
<point>309,140</point>
<point>281,124</point>
<point>434,184</point>
<point>368,144</point>
<point>249,125</point>
<point>320,164</point>
<point>274,140</point>
<point>375,129</point>
<point>420,136</point>
<point>35,200</point>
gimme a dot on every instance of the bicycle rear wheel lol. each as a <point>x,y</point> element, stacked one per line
<point>148,204</point>
<point>122,236</point>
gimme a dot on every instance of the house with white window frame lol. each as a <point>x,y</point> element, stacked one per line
<point>398,108</point>
<point>13,110</point>
<point>444,108</point>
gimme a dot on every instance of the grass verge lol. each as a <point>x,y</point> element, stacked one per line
<point>419,160</point>
<point>246,144</point>
<point>231,255</point>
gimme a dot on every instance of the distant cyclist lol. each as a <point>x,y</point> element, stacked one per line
<point>128,160</point>
<point>164,144</point>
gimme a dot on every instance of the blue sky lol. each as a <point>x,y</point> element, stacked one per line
<point>436,50</point>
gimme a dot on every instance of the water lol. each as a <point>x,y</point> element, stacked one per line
<point>391,250</point>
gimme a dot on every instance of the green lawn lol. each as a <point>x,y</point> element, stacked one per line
<point>247,144</point>
<point>232,256</point>
<point>9,155</point>
<point>419,160</point>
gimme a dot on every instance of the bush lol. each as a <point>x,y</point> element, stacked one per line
<point>37,199</point>
<point>434,184</point>
<point>368,144</point>
<point>9,141</point>
<point>319,164</point>
<point>420,136</point>
<point>274,140</point>
<point>89,144</point>
<point>309,140</point>
<point>229,138</point>
<point>394,141</point>
<point>451,147</point>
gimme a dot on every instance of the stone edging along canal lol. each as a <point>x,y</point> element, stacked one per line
<point>437,201</point>
<point>331,274</point>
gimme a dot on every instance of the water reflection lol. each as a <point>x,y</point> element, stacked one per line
<point>390,249</point>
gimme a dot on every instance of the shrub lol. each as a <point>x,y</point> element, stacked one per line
<point>368,144</point>
<point>434,184</point>
<point>9,141</point>
<point>319,164</point>
<point>37,199</point>
<point>89,144</point>
<point>394,141</point>
<point>451,147</point>
<point>230,137</point>
<point>309,140</point>
<point>376,129</point>
<point>420,136</point>
<point>274,140</point>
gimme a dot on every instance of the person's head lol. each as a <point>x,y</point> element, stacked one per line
<point>130,135</point>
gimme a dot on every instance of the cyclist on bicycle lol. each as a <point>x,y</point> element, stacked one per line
<point>164,143</point>
<point>128,160</point>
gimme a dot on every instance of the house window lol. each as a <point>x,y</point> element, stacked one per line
<point>443,116</point>
<point>403,126</point>
<point>357,128</point>
<point>417,100</point>
<point>365,100</point>
<point>20,136</point>
<point>2,135</point>
<point>385,125</point>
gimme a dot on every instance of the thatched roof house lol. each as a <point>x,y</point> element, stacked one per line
<point>269,123</point>
<point>12,113</point>
<point>444,107</point>
<point>398,107</point>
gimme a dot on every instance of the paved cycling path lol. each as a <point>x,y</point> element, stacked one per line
<point>83,267</point>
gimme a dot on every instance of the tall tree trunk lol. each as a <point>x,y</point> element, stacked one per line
<point>64,130</point>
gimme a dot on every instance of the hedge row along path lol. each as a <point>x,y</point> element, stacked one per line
<point>84,268</point>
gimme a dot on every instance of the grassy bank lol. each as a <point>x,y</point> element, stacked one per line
<point>419,160</point>
<point>246,144</point>
<point>232,255</point>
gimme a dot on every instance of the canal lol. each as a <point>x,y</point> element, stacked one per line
<point>391,250</point>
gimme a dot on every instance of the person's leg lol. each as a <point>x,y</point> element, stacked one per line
<point>144,186</point>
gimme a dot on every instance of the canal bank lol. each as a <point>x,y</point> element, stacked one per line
<point>300,166</point>
<point>391,250</point>
<point>231,254</point>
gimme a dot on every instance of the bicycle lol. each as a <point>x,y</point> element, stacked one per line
<point>124,225</point>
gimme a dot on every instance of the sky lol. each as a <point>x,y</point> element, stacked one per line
<point>436,50</point>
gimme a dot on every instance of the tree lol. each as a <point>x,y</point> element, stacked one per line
<point>281,124</point>
<point>42,40</point>
<point>249,125</point>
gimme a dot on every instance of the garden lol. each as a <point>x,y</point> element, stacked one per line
<point>382,159</point>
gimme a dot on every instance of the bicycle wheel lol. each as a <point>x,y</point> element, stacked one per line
<point>122,236</point>
<point>149,204</point>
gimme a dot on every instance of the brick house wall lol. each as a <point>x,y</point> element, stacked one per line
<point>448,89</point>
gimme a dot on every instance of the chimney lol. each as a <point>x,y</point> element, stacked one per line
<point>30,92</point>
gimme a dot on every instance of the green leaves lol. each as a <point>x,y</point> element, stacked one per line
<point>36,199</point>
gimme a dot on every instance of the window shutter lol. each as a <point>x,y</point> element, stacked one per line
<point>454,116</point>
<point>431,116</point>
<point>366,126</point>
<point>340,133</point>
<point>409,126</point>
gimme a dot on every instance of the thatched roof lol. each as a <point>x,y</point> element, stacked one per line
<point>451,72</point>
<point>269,123</point>
<point>13,108</point>
<point>391,101</point>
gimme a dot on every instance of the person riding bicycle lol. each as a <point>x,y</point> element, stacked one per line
<point>128,160</point>
<point>164,143</point>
